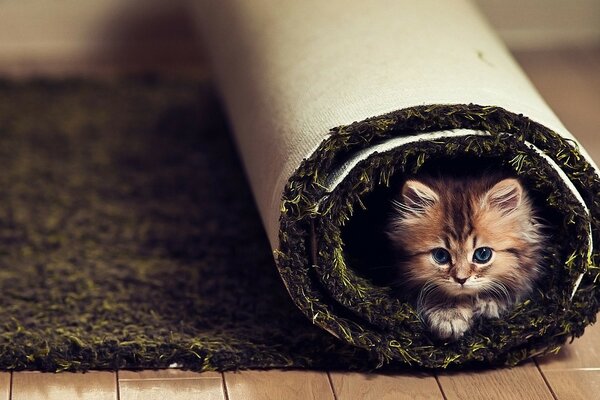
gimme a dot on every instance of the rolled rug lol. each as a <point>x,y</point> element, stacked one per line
<point>333,103</point>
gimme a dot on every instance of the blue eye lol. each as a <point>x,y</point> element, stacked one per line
<point>440,256</point>
<point>482,255</point>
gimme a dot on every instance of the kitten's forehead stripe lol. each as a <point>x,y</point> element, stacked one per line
<point>451,234</point>
<point>458,214</point>
<point>451,215</point>
<point>469,230</point>
<point>466,209</point>
<point>447,242</point>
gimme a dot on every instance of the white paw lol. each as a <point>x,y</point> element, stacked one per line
<point>488,308</point>
<point>450,322</point>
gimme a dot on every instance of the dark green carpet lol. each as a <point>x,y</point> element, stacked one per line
<point>129,237</point>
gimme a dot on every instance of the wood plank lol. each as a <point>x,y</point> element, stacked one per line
<point>277,385</point>
<point>4,385</point>
<point>574,373</point>
<point>523,382</point>
<point>569,81</point>
<point>572,385</point>
<point>170,384</point>
<point>582,353</point>
<point>356,386</point>
<point>64,386</point>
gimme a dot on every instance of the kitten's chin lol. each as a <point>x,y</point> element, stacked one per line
<point>458,290</point>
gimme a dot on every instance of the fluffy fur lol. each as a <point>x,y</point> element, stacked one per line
<point>461,216</point>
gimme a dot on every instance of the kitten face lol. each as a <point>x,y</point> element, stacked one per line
<point>466,239</point>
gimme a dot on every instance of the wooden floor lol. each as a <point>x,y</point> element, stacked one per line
<point>570,82</point>
<point>572,374</point>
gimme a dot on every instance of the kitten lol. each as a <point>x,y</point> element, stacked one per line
<point>466,248</point>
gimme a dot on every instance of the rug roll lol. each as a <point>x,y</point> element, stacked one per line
<point>332,102</point>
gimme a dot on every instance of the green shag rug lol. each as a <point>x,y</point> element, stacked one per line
<point>129,237</point>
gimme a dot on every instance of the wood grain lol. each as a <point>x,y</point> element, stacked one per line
<point>574,385</point>
<point>170,384</point>
<point>4,385</point>
<point>64,386</point>
<point>582,353</point>
<point>524,382</point>
<point>356,386</point>
<point>277,385</point>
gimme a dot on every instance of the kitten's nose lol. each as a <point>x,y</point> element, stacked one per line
<point>460,280</point>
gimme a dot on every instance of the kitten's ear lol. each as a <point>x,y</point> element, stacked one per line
<point>418,197</point>
<point>505,195</point>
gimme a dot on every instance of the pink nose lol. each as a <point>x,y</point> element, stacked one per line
<point>460,280</point>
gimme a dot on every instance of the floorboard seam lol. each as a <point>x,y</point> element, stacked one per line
<point>186,378</point>
<point>224,384</point>
<point>554,396</point>
<point>335,397</point>
<point>440,387</point>
<point>118,386</point>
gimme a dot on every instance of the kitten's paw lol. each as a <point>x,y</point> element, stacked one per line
<point>488,308</point>
<point>450,323</point>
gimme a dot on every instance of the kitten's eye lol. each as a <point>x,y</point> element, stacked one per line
<point>440,256</point>
<point>482,255</point>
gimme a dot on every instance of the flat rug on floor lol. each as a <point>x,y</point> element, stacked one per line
<point>129,237</point>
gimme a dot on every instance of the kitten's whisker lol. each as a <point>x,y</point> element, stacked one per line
<point>507,293</point>
<point>431,286</point>
<point>489,289</point>
<point>496,293</point>
<point>500,292</point>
